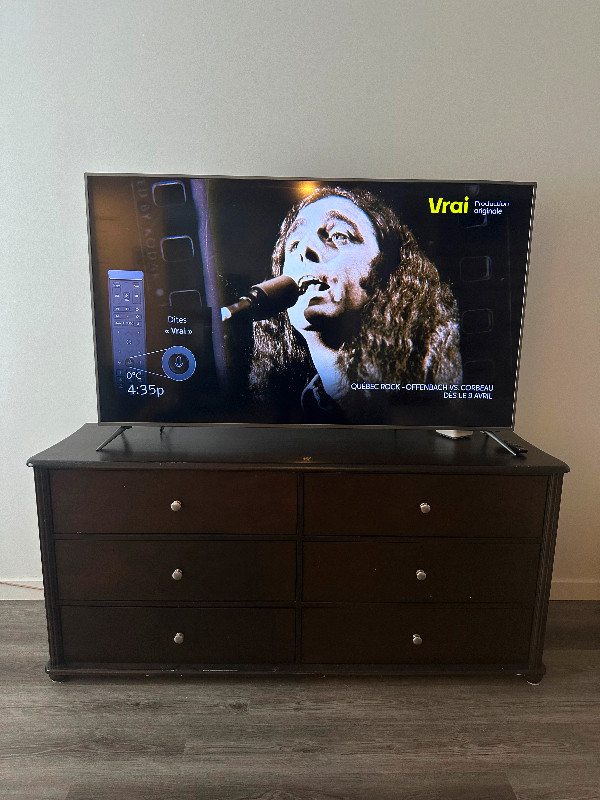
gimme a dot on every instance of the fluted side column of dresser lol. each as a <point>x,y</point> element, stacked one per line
<point>297,551</point>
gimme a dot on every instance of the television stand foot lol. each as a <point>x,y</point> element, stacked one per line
<point>121,430</point>
<point>455,434</point>
<point>513,449</point>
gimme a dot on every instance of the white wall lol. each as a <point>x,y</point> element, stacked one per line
<point>424,89</point>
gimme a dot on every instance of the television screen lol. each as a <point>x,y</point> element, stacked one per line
<point>320,302</point>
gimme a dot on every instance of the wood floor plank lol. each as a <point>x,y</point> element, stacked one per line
<point>556,783</point>
<point>438,745</point>
<point>92,735</point>
<point>454,787</point>
<point>354,704</point>
<point>573,625</point>
<point>37,787</point>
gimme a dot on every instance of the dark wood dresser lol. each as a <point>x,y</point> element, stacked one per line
<point>261,550</point>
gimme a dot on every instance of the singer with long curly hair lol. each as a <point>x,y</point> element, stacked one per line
<point>375,311</point>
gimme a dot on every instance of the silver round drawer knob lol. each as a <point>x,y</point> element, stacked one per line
<point>178,638</point>
<point>425,508</point>
<point>177,575</point>
<point>176,505</point>
<point>417,639</point>
<point>421,574</point>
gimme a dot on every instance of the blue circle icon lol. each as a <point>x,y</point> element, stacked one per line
<point>178,363</point>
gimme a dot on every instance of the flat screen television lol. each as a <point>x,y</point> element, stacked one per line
<point>276,301</point>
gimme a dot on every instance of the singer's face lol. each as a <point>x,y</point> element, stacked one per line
<point>333,241</point>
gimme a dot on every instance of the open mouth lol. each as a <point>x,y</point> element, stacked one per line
<point>306,281</point>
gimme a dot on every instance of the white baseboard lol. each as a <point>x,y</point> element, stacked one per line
<point>22,590</point>
<point>575,590</point>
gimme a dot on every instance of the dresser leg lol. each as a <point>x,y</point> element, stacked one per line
<point>55,677</point>
<point>534,678</point>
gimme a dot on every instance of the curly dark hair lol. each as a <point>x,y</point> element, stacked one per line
<point>408,326</point>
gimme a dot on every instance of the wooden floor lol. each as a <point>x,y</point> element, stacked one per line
<point>301,738</point>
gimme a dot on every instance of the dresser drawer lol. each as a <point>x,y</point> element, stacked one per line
<point>383,634</point>
<point>393,505</point>
<point>98,568</point>
<point>139,501</point>
<point>434,570</point>
<point>146,635</point>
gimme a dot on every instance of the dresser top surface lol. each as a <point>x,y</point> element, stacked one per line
<point>337,449</point>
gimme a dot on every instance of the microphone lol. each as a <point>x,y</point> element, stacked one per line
<point>265,299</point>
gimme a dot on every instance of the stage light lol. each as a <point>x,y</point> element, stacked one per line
<point>307,187</point>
